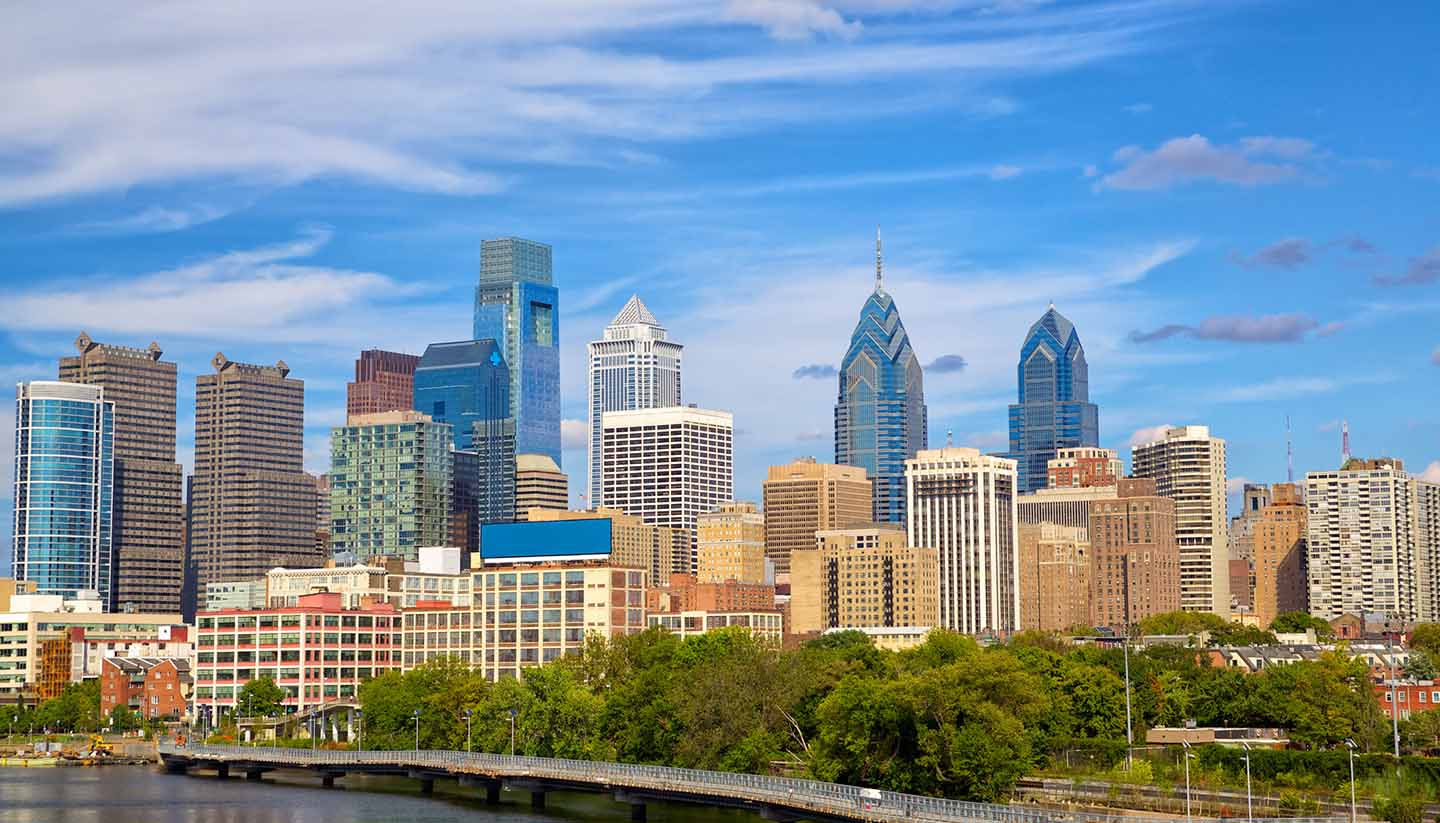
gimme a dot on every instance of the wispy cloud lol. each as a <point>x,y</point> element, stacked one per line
<point>1419,271</point>
<point>1431,473</point>
<point>1270,328</point>
<point>946,364</point>
<point>1253,161</point>
<point>815,371</point>
<point>1149,434</point>
<point>1283,387</point>
<point>1139,108</point>
<point>156,220</point>
<point>1435,357</point>
<point>574,434</point>
<point>1290,253</point>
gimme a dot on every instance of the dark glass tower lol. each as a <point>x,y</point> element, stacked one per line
<point>880,418</point>
<point>461,383</point>
<point>1054,411</point>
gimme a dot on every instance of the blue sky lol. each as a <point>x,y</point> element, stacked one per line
<point>1237,203</point>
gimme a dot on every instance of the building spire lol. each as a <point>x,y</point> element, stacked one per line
<point>879,264</point>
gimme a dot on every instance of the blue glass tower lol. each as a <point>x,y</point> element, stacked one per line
<point>64,487</point>
<point>880,417</point>
<point>461,383</point>
<point>1054,411</point>
<point>517,304</point>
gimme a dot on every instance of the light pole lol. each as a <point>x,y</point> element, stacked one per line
<point>1129,728</point>
<point>467,730</point>
<point>1394,699</point>
<point>1185,752</point>
<point>1350,744</point>
<point>512,732</point>
<point>1249,801</point>
<point>417,730</point>
<point>360,727</point>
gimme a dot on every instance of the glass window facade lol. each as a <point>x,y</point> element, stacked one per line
<point>390,487</point>
<point>463,382</point>
<point>1054,411</point>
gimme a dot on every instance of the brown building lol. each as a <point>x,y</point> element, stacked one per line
<point>384,381</point>
<point>1135,561</point>
<point>9,587</point>
<point>863,577</point>
<point>1054,577</point>
<point>1279,541</point>
<point>148,539</point>
<point>685,594</point>
<point>252,506</point>
<point>539,484</point>
<point>730,544</point>
<point>151,687</point>
<point>633,542</point>
<point>1082,467</point>
<point>804,497</point>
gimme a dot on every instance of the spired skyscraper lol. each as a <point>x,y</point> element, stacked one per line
<point>518,305</point>
<point>880,417</point>
<point>1054,411</point>
<point>633,366</point>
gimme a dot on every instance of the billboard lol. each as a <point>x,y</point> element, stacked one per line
<point>551,540</point>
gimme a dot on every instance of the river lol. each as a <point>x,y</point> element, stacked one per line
<point>134,794</point>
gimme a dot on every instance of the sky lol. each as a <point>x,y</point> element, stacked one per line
<point>1236,203</point>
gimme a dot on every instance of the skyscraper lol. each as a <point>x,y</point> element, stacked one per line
<point>384,381</point>
<point>493,442</point>
<point>962,503</point>
<point>804,497</point>
<point>1361,547</point>
<point>390,485</point>
<point>1278,551</point>
<point>64,487</point>
<point>539,484</point>
<point>149,549</point>
<point>1188,466</point>
<point>880,418</point>
<point>633,366</point>
<point>463,382</point>
<point>1427,507</point>
<point>518,305</point>
<point>731,544</point>
<point>252,504</point>
<point>1135,560</point>
<point>1054,411</point>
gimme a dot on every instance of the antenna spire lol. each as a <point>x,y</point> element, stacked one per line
<point>1344,442</point>
<point>879,263</point>
<point>1289,453</point>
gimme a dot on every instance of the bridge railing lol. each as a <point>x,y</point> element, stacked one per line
<point>794,793</point>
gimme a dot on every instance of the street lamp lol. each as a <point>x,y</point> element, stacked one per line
<point>1350,744</point>
<point>1129,728</point>
<point>1185,752</point>
<point>1249,800</point>
<point>417,730</point>
<point>360,726</point>
<point>467,730</point>
<point>512,732</point>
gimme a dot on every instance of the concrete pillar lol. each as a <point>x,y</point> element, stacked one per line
<point>637,813</point>
<point>328,781</point>
<point>427,785</point>
<point>537,799</point>
<point>222,771</point>
<point>492,792</point>
<point>254,774</point>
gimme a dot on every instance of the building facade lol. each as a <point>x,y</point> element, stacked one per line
<point>1065,506</point>
<point>493,443</point>
<point>863,577</point>
<point>634,365</point>
<point>461,383</point>
<point>539,484</point>
<point>148,513</point>
<point>518,305</point>
<point>1188,466</point>
<point>880,416</point>
<point>1278,554</point>
<point>1361,542</point>
<point>355,584</point>
<point>962,503</point>
<point>765,626</point>
<point>1427,509</point>
<point>64,488</point>
<point>804,497</point>
<point>630,542</point>
<point>391,477</point>
<point>1083,467</point>
<point>1136,566</point>
<point>1054,577</point>
<point>1054,410</point>
<point>384,382</point>
<point>152,687</point>
<point>730,544</point>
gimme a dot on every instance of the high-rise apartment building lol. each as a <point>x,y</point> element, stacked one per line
<point>1054,577</point>
<point>634,365</point>
<point>1083,467</point>
<point>462,383</point>
<point>1135,559</point>
<point>880,417</point>
<point>1188,466</point>
<point>1241,537</point>
<point>962,503</point>
<point>252,505</point>
<point>149,548</point>
<point>668,466</point>
<point>322,514</point>
<point>384,382</point>
<point>539,484</point>
<point>731,544</point>
<point>1427,510</point>
<point>1361,542</point>
<point>1278,553</point>
<point>863,578</point>
<point>391,480</point>
<point>633,542</point>
<point>1054,409</point>
<point>64,488</point>
<point>804,497</point>
<point>518,305</point>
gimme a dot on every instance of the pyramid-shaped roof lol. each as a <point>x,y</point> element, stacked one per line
<point>634,313</point>
<point>1055,323</point>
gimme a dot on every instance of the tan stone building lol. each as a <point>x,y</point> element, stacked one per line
<point>863,577</point>
<point>731,544</point>
<point>1135,561</point>
<point>633,542</point>
<point>1188,466</point>
<point>539,484</point>
<point>1279,545</point>
<point>1054,577</point>
<point>804,497</point>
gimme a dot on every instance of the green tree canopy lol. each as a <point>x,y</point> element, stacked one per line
<point>1297,622</point>
<point>260,698</point>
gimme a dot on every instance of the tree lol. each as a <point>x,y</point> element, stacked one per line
<point>1426,638</point>
<point>123,719</point>
<point>1421,666</point>
<point>75,709</point>
<point>1298,622</point>
<point>260,698</point>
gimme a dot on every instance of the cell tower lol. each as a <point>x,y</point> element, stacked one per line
<point>1344,442</point>
<point>1289,453</point>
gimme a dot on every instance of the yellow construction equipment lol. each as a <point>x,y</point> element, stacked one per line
<point>99,748</point>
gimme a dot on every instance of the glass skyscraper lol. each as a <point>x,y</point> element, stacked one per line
<point>463,382</point>
<point>880,417</point>
<point>391,479</point>
<point>517,304</point>
<point>64,487</point>
<point>1054,411</point>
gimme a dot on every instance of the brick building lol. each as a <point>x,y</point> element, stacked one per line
<point>152,687</point>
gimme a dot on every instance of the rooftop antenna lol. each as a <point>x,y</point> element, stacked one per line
<point>949,438</point>
<point>1289,453</point>
<point>1344,442</point>
<point>879,266</point>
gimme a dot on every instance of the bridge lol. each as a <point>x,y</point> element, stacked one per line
<point>773,798</point>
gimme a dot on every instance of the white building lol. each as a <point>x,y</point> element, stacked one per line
<point>1427,510</point>
<point>633,366</point>
<point>667,466</point>
<point>1188,466</point>
<point>1362,547</point>
<point>962,503</point>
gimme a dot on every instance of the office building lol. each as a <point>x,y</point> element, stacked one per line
<point>731,544</point>
<point>148,548</point>
<point>355,584</point>
<point>9,587</point>
<point>804,497</point>
<point>1054,577</point>
<point>518,305</point>
<point>1188,466</point>
<point>493,442</point>
<point>539,484</point>
<point>1361,543</point>
<point>1427,509</point>
<point>252,504</point>
<point>390,485</point>
<point>683,593</point>
<point>1278,553</point>
<point>765,626</point>
<point>1135,565</point>
<point>1241,536</point>
<point>462,383</point>
<point>1066,506</point>
<point>232,594</point>
<point>880,417</point>
<point>962,503</point>
<point>1083,467</point>
<point>865,576</point>
<point>465,498</point>
<point>668,466</point>
<point>634,365</point>
<point>322,514</point>
<point>384,382</point>
<point>629,540</point>
<point>64,488</point>
<point>1054,410</point>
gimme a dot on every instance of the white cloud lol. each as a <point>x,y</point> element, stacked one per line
<point>1182,160</point>
<point>794,19</point>
<point>1296,387</point>
<point>1004,172</point>
<point>1431,473</point>
<point>156,220</point>
<point>574,434</point>
<point>1149,434</point>
<point>1235,485</point>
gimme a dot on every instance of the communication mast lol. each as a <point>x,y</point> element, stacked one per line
<point>1344,442</point>
<point>1289,453</point>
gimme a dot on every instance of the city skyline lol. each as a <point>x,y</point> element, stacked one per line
<point>1208,247</point>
